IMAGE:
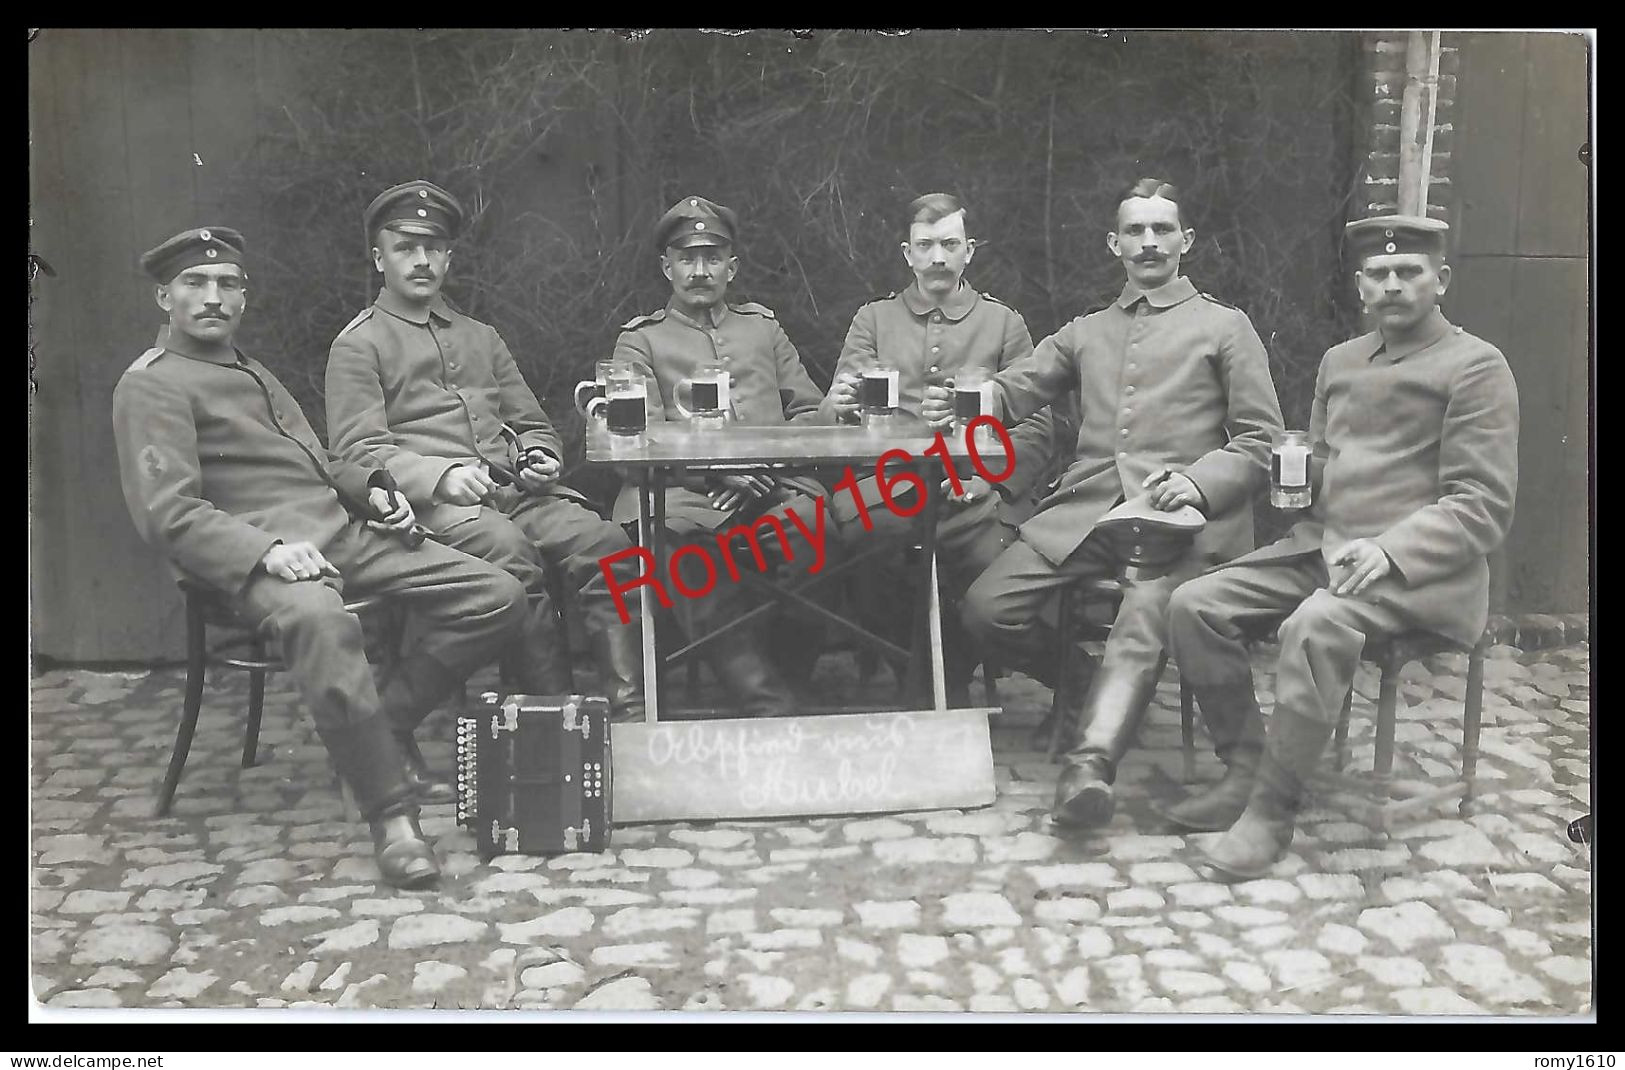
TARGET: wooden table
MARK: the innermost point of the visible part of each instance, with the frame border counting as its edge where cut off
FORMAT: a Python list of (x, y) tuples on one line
[(824, 763), (667, 449)]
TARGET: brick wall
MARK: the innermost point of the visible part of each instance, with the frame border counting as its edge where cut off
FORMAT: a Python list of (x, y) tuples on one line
[(1385, 55)]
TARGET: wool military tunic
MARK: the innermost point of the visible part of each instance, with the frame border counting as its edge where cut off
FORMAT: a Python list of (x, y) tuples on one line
[(1415, 447), (928, 344), (423, 390), (1162, 377), (768, 386), (219, 464)]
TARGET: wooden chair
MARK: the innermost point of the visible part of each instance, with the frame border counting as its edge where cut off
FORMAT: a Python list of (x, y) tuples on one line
[(206, 607), (1391, 656), (1074, 601), (1397, 799)]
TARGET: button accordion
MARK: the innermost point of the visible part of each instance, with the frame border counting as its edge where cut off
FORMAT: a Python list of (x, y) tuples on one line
[(533, 774)]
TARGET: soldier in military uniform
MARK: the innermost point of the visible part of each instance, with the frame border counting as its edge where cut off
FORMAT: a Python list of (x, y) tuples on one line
[(435, 397), (224, 475), (769, 386), (1174, 401), (932, 331), (1413, 473)]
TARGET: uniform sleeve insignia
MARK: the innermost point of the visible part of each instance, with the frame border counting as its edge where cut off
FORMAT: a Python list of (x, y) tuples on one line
[(1216, 301), (751, 308), (643, 321), (146, 359), (152, 463)]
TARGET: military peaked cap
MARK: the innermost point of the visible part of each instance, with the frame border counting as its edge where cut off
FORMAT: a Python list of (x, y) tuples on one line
[(415, 207), (696, 221), (189, 248), (1384, 234)]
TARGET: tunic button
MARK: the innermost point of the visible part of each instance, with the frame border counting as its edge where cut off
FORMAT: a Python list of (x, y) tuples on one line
[(1123, 455), (1124, 432), (1133, 367), (1136, 529), (933, 367), (1130, 390), (936, 349)]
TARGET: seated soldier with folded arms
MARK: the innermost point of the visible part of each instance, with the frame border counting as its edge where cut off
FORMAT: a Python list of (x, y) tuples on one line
[(768, 386), (224, 475), (1414, 468)]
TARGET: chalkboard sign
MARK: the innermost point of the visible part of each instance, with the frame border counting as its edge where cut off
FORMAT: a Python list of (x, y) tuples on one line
[(793, 766)]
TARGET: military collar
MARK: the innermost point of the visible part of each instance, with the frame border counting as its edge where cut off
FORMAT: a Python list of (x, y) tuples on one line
[(182, 344), (719, 313), (1428, 333), (413, 314), (956, 307), (1165, 296)]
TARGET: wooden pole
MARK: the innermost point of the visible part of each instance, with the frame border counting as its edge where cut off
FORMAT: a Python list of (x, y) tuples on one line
[(1418, 105)]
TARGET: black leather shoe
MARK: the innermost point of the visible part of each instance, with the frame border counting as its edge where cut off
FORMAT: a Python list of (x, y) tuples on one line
[(427, 787), (1083, 798), (404, 857)]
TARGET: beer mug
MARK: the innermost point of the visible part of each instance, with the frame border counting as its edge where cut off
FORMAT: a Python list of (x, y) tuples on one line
[(1289, 471), (973, 397), (877, 393), (591, 393), (708, 402), (626, 394)]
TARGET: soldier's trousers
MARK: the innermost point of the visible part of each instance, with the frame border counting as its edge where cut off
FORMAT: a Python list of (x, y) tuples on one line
[(1002, 608), (970, 536), (465, 610), (1321, 633), (729, 599), (524, 535)]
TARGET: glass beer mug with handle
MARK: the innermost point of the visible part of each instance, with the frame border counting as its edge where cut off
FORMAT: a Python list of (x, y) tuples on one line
[(707, 403), (591, 394), (626, 412), (877, 393), (973, 397), (1289, 471)]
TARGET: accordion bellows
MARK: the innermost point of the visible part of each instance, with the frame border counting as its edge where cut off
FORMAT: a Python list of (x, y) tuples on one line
[(533, 774)]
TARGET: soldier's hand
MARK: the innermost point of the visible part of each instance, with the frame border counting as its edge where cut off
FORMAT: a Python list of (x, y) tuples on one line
[(538, 474), (1366, 563), (938, 407), (464, 484), (976, 488), (1168, 490), (392, 511), (843, 394), (734, 490), (294, 561)]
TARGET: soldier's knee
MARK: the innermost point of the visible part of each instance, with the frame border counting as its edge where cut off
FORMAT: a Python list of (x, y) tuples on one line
[(980, 612), (315, 609)]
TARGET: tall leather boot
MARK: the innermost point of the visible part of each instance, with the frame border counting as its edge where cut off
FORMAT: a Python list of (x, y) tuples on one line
[(750, 677), (1261, 835), (533, 664), (367, 757), (1232, 718), (416, 685), (1111, 714), (617, 648)]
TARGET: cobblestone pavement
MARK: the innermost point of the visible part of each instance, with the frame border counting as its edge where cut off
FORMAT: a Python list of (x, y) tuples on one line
[(256, 894)]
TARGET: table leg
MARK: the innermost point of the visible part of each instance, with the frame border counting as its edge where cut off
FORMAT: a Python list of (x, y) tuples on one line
[(929, 629), (939, 687), (646, 601)]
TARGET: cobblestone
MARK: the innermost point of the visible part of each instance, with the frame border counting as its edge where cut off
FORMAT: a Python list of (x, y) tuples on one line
[(255, 892)]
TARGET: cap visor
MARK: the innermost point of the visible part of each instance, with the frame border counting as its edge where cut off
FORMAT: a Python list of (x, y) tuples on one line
[(690, 240), (410, 226)]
